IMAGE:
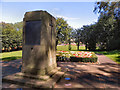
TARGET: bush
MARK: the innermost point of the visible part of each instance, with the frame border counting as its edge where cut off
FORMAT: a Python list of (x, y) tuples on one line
[(79, 59)]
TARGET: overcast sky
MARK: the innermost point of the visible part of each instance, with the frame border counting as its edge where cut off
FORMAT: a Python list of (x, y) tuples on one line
[(76, 14)]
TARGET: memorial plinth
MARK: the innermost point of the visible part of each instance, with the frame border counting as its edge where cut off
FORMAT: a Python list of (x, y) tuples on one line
[(39, 42), (39, 68)]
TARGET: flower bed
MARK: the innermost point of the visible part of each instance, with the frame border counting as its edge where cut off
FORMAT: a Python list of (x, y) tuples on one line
[(76, 56)]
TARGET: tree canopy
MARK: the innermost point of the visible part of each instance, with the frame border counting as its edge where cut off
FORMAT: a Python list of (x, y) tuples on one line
[(11, 36), (63, 31)]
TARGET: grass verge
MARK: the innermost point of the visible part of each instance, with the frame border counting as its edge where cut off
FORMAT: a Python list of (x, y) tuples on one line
[(8, 56), (114, 55)]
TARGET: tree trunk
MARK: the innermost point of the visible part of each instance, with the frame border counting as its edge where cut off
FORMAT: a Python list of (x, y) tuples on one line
[(57, 39), (86, 46), (78, 44), (69, 45), (56, 44)]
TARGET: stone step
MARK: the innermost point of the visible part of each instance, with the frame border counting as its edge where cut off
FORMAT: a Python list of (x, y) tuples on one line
[(54, 71), (44, 77), (34, 83)]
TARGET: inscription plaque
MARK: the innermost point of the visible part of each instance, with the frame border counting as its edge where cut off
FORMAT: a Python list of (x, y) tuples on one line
[(32, 32)]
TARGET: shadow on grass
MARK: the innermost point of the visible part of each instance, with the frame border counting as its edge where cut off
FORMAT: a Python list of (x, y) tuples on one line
[(118, 59), (108, 52), (10, 58)]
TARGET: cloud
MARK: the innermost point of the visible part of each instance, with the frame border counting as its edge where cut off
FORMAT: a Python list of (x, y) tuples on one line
[(67, 18), (56, 9), (72, 21)]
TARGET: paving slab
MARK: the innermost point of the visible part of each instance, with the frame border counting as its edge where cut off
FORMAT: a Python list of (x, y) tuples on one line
[(90, 76), (83, 75)]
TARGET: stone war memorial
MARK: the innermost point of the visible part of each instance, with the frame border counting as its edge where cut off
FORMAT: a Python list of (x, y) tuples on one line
[(39, 67), (39, 41)]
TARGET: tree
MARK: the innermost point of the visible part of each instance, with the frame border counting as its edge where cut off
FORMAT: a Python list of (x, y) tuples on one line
[(109, 24), (69, 36), (92, 37), (19, 28), (0, 37), (78, 35), (7, 35), (88, 36), (85, 35), (62, 31), (11, 36)]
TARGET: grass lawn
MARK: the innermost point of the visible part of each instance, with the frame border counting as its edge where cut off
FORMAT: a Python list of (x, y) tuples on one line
[(73, 48), (114, 55), (8, 56)]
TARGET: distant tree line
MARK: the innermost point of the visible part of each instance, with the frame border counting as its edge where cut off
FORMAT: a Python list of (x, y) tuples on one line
[(105, 33)]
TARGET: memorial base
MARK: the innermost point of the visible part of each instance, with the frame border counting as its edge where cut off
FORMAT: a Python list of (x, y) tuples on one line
[(46, 81)]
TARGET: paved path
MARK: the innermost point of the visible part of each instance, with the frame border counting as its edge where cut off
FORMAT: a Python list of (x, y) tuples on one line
[(90, 75), (11, 67), (105, 60), (102, 75)]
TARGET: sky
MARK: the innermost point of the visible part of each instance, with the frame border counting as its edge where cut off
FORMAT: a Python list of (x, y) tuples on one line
[(76, 14)]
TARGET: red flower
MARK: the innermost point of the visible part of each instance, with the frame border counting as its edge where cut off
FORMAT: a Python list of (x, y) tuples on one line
[(64, 51), (77, 56)]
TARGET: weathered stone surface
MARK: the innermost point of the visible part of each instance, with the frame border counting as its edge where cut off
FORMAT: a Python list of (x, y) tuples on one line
[(39, 42), (27, 81)]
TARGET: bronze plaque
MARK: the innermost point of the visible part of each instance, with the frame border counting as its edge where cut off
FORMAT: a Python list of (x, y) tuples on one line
[(32, 32)]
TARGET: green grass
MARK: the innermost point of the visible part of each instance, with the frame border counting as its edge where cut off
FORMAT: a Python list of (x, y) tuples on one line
[(8, 56), (114, 55), (73, 48)]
